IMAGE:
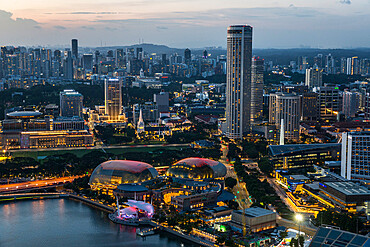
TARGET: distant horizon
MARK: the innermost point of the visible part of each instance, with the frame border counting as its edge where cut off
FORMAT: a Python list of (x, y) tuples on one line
[(194, 48), (280, 24)]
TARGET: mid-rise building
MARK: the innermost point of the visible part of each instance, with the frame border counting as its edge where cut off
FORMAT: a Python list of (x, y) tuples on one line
[(71, 103), (238, 88), (285, 107), (256, 219), (113, 98), (257, 90), (195, 201), (303, 155), (356, 156)]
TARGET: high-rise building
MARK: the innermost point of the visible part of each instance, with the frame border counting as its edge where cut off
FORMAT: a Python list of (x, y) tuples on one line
[(367, 104), (113, 98), (71, 103), (351, 103), (355, 164), (87, 62), (302, 63), (119, 58), (74, 48), (309, 106), (68, 66), (329, 64), (162, 101), (343, 65), (257, 90), (328, 103), (285, 107), (238, 86), (187, 56), (353, 66), (205, 54), (313, 77), (318, 61)]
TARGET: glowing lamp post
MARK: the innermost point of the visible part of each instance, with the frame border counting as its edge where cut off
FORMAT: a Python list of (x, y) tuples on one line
[(299, 219)]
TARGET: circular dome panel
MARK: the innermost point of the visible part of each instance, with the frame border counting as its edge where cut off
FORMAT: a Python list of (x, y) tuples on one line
[(115, 172), (197, 169)]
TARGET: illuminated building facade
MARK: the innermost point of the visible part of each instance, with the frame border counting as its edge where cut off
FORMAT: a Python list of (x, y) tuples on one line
[(285, 107), (256, 219), (110, 174), (309, 106), (194, 201), (351, 103), (313, 77), (197, 169), (303, 155), (71, 103), (238, 87), (356, 156), (328, 103), (113, 98), (22, 131), (347, 195), (257, 90)]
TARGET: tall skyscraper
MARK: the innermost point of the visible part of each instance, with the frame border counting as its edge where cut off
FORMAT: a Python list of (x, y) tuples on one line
[(313, 77), (356, 156), (74, 48), (257, 90), (119, 58), (187, 56), (68, 66), (285, 107), (238, 84), (71, 103), (113, 98)]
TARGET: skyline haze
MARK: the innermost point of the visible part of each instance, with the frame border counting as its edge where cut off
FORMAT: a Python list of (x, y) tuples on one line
[(193, 24)]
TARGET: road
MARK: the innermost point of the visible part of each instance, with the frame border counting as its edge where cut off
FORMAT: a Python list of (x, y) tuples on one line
[(98, 147), (35, 184)]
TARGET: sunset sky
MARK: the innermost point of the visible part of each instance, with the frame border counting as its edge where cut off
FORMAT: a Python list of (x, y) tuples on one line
[(190, 23)]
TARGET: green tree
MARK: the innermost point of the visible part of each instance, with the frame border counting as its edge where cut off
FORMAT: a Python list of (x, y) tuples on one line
[(230, 182)]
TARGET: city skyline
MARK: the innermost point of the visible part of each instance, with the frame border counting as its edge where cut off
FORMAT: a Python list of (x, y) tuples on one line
[(284, 24)]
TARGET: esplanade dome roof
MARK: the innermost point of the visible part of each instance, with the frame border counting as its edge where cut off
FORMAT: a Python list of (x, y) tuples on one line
[(115, 172), (197, 168)]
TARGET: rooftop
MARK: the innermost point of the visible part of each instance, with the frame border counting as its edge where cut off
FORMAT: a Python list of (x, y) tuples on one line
[(277, 150), (347, 188), (335, 237), (255, 212), (298, 177)]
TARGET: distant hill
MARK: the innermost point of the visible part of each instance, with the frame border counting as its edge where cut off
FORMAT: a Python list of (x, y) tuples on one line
[(278, 56)]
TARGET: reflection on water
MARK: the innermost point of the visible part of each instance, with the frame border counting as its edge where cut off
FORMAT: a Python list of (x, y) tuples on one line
[(63, 222)]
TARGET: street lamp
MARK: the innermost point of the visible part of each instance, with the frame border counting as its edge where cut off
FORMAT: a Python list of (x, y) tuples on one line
[(299, 219)]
